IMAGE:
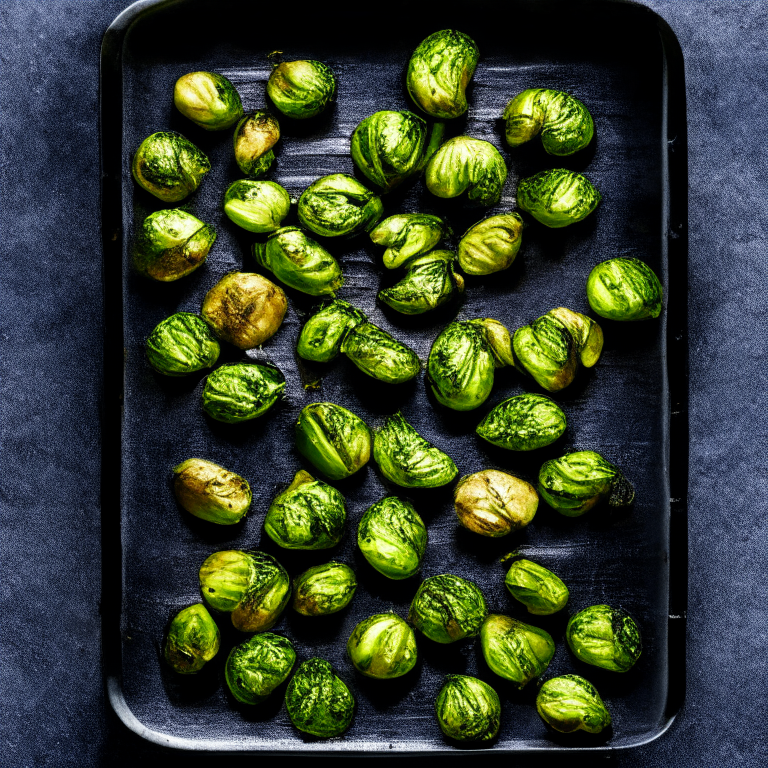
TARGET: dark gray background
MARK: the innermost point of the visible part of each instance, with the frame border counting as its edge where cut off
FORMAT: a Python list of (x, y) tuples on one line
[(51, 695)]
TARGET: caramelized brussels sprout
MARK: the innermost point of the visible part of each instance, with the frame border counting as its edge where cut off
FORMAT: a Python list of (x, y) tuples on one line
[(523, 423), (383, 647), (193, 639), (558, 197), (339, 204), (468, 709), (324, 589), (182, 344), (211, 492), (258, 206), (624, 289), (408, 235), (238, 392), (255, 135), (570, 703), (537, 588), (380, 355), (259, 665), (491, 245), (320, 338), (605, 637), (301, 89), (208, 99)]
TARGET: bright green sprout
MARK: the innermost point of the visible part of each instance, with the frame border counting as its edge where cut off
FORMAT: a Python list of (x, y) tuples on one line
[(605, 637), (382, 647), (259, 665), (324, 589), (537, 588), (257, 206), (491, 245), (182, 344), (468, 709), (193, 639), (379, 355), (208, 99), (558, 197), (624, 289), (238, 392), (523, 423), (338, 205), (301, 89), (408, 236), (320, 338), (570, 703)]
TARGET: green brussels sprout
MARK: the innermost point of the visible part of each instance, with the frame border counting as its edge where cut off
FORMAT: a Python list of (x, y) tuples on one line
[(429, 282), (393, 538), (238, 392), (172, 244), (546, 351), (320, 338), (208, 99), (193, 639), (169, 166), (537, 588), (336, 441), (439, 72), (565, 123), (569, 703), (407, 459), (308, 514), (447, 608), (491, 245), (558, 197), (255, 135), (301, 89), (515, 651), (182, 344), (468, 709), (256, 667), (605, 637), (408, 235), (244, 309), (494, 503), (523, 423), (258, 206), (211, 492), (586, 333), (574, 483), (251, 586), (380, 355), (318, 701), (339, 204), (383, 647), (324, 589), (464, 164), (624, 289)]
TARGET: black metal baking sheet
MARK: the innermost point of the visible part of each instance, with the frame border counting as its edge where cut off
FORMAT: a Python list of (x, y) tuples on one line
[(623, 62)]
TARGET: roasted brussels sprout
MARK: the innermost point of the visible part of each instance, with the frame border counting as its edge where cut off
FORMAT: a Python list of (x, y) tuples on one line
[(464, 164), (171, 244), (491, 245), (408, 235), (169, 166), (606, 637), (380, 355), (320, 338), (318, 701), (558, 197), (255, 135), (211, 492), (468, 709), (193, 639), (624, 289), (537, 588), (439, 72), (565, 123), (252, 586), (301, 89), (181, 344), (258, 206), (393, 538), (382, 646), (447, 608), (208, 99), (256, 667), (324, 589), (308, 514), (569, 703), (241, 391), (407, 459), (523, 423)]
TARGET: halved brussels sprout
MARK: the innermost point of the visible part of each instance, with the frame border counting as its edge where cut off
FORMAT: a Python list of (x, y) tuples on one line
[(255, 135), (468, 709), (491, 245), (546, 351), (408, 235), (624, 289), (208, 99), (605, 637), (558, 197), (259, 665), (523, 423), (383, 647), (570, 703), (320, 338), (324, 589), (301, 89), (182, 344), (257, 206), (380, 355), (193, 639), (537, 588), (211, 492), (339, 204), (238, 392)]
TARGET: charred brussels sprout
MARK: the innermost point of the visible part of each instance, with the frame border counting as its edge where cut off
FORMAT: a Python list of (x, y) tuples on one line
[(255, 135), (380, 355), (523, 423), (408, 235), (241, 391), (393, 538), (439, 72), (182, 344), (193, 639), (558, 197), (301, 89), (407, 459), (624, 289), (383, 647), (318, 701), (256, 667), (211, 492), (468, 709), (324, 589), (258, 206), (605, 637), (320, 338), (208, 99), (491, 245), (570, 703), (537, 588)]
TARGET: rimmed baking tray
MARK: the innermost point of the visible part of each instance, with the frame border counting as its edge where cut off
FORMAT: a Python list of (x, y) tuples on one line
[(624, 63)]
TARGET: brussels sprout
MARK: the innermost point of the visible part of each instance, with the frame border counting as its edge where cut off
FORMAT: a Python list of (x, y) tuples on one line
[(238, 392), (320, 338), (258, 206), (172, 244), (193, 639), (301, 89), (393, 538), (407, 459), (546, 351), (624, 289), (208, 99), (491, 245), (523, 423), (408, 235), (574, 483), (169, 166), (605, 637), (468, 709), (211, 492), (308, 514), (565, 124), (324, 589), (558, 197), (569, 703), (382, 646), (339, 205), (464, 164), (439, 72), (380, 355), (586, 333), (181, 344), (448, 608), (244, 309), (318, 701), (299, 262), (252, 586), (256, 667), (537, 588), (255, 135)]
